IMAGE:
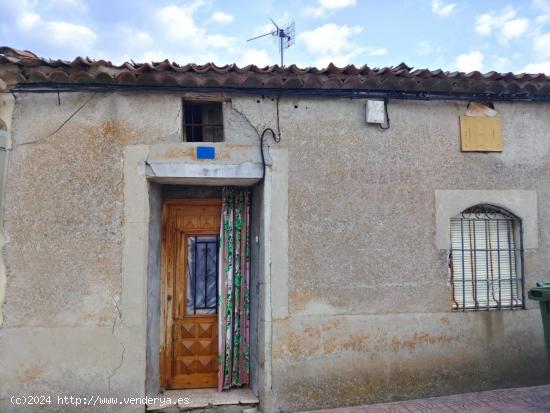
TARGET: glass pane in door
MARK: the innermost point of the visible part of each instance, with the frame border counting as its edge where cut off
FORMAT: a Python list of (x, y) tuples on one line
[(202, 274)]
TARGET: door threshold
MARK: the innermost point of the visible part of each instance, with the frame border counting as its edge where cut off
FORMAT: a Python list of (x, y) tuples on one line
[(204, 398)]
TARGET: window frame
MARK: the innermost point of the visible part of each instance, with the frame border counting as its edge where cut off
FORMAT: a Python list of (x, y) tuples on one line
[(191, 307), (202, 104), (482, 212)]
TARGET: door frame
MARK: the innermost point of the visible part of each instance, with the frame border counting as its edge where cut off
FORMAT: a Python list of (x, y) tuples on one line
[(167, 273)]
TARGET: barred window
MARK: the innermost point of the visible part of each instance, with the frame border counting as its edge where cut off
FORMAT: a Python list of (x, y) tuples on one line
[(203, 121), (202, 270), (486, 259)]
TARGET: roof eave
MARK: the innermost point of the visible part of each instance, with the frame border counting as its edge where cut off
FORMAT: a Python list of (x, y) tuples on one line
[(400, 94)]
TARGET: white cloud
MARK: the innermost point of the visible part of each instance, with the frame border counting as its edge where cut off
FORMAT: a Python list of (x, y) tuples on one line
[(504, 23), (28, 21), (174, 31), (141, 38), (177, 25), (221, 17), (514, 28), (326, 7), (177, 22), (468, 62), (542, 5), (282, 19), (488, 22), (343, 59), (501, 64), (541, 67), (258, 57), (329, 38), (70, 35), (57, 33), (336, 4), (423, 48), (263, 29), (377, 52), (441, 9), (541, 46), (12, 8), (332, 43), (66, 5), (130, 43)]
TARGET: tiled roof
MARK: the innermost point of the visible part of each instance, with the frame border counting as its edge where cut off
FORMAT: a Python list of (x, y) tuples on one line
[(23, 69)]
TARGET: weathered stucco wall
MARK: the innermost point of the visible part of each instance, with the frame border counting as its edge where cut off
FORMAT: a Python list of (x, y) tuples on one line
[(369, 298), (358, 296), (7, 105), (74, 317), (64, 223)]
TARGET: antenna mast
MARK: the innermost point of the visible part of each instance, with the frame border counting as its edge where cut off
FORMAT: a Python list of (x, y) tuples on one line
[(285, 36)]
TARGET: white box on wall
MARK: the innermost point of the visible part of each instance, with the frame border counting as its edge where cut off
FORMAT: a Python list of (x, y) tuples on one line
[(376, 112)]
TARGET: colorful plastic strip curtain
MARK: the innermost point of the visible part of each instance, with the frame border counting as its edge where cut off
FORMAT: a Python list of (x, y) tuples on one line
[(234, 282)]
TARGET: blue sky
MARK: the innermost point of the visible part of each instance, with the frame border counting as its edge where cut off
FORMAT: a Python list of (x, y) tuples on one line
[(453, 35)]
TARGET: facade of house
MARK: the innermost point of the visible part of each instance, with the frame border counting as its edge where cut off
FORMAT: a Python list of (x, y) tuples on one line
[(387, 260)]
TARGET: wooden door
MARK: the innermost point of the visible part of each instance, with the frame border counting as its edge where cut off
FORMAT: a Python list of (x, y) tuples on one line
[(190, 289)]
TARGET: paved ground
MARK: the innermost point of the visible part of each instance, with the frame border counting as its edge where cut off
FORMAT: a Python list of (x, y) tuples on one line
[(528, 399)]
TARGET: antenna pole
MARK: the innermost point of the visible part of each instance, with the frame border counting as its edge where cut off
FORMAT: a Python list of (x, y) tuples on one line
[(285, 35), (281, 48)]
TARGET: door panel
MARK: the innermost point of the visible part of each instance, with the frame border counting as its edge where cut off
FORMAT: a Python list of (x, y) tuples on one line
[(190, 257), (195, 352)]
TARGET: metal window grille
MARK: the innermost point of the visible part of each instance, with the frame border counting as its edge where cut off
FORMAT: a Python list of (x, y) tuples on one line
[(486, 259), (203, 122), (202, 274)]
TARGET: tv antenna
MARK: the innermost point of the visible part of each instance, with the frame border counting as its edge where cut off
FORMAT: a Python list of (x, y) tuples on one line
[(285, 36)]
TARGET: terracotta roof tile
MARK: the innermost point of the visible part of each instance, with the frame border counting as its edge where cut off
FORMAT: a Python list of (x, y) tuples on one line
[(24, 69)]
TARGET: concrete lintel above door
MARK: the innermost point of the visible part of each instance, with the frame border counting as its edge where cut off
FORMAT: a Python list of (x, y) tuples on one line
[(244, 173)]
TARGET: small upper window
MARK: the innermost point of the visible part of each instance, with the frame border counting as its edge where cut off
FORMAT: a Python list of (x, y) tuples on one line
[(203, 121), (486, 259)]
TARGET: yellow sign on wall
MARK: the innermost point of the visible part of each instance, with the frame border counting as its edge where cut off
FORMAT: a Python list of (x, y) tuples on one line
[(480, 133)]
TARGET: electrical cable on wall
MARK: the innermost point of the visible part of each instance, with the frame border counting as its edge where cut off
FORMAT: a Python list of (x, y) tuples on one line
[(276, 139), (276, 136), (278, 124), (387, 115)]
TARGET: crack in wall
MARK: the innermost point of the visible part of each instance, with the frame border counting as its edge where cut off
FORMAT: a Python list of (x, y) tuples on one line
[(268, 161), (173, 137), (118, 318)]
